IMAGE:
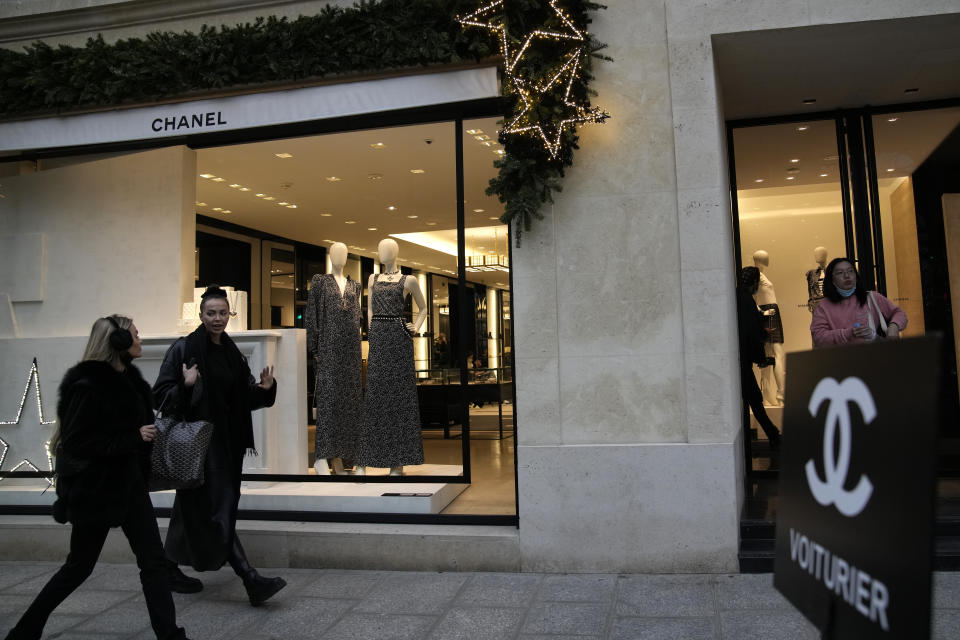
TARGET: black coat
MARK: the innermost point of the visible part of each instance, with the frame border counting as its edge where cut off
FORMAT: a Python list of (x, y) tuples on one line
[(750, 329), (203, 520), (101, 457)]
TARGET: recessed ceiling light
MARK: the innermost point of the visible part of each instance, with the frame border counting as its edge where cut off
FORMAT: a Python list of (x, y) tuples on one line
[(291, 206), (803, 127), (791, 177), (413, 217), (218, 208), (234, 185), (417, 171), (431, 224), (371, 228), (890, 170), (201, 204), (378, 145), (259, 195), (207, 175), (824, 175), (482, 137), (349, 222), (478, 210), (892, 119), (494, 218), (375, 176), (270, 198), (487, 143), (226, 211), (759, 180), (391, 208), (283, 204), (284, 155), (794, 160), (244, 188), (219, 179), (325, 215), (474, 132), (499, 152), (333, 179)]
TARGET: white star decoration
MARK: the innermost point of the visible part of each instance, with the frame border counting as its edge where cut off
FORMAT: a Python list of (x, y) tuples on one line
[(33, 378), (530, 91)]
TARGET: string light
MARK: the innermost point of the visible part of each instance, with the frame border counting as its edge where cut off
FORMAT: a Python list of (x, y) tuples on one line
[(531, 92), (33, 378)]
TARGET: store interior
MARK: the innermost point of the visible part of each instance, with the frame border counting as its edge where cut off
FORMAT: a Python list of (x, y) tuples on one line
[(789, 201), (268, 211)]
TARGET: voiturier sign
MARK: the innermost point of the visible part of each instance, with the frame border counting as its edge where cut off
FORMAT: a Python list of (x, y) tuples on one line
[(854, 544)]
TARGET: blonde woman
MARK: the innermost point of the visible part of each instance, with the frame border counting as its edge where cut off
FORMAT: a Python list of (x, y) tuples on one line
[(104, 427)]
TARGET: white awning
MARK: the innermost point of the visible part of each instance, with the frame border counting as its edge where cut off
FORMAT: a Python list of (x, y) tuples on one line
[(249, 111)]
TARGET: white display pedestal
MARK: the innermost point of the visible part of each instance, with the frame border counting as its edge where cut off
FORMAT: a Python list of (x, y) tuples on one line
[(353, 497)]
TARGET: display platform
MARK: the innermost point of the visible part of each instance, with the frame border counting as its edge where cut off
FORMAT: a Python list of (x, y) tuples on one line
[(353, 497)]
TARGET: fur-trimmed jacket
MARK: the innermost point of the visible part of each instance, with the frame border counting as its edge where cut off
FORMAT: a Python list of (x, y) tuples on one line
[(101, 457)]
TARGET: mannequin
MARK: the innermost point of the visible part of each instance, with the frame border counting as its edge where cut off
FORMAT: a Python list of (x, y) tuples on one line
[(390, 432), (815, 279), (766, 299), (332, 320)]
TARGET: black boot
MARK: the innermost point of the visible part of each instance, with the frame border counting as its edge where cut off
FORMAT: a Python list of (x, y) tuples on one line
[(259, 589), (181, 582)]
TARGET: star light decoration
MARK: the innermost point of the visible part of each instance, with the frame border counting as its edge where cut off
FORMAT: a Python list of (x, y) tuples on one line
[(33, 378), (530, 91)]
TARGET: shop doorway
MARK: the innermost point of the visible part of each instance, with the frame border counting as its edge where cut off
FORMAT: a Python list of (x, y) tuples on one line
[(869, 184)]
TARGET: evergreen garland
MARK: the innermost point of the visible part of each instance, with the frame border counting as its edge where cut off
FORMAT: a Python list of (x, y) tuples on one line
[(372, 36)]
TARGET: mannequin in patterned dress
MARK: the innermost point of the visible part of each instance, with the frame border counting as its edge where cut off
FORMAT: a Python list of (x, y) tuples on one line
[(381, 373), (332, 320), (773, 379)]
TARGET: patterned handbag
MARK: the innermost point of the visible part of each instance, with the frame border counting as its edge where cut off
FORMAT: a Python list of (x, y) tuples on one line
[(179, 451)]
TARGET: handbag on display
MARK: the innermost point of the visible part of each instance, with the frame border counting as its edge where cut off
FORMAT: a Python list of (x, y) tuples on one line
[(179, 451), (882, 329)]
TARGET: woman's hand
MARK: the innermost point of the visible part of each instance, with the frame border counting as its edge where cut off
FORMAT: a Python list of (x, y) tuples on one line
[(893, 330), (190, 375), (148, 432), (266, 378), (864, 332)]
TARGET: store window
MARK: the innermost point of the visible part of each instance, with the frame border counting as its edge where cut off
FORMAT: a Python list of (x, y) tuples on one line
[(267, 213)]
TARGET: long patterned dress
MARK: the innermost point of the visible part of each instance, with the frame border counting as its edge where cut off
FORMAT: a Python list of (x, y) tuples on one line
[(390, 432), (333, 338)]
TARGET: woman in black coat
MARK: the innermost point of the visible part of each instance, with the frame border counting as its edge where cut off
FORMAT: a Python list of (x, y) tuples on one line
[(205, 377), (105, 425), (752, 340)]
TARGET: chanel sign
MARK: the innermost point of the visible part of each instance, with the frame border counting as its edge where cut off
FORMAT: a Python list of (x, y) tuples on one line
[(857, 484)]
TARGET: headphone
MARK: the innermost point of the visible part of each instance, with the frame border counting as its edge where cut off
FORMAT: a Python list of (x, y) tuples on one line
[(120, 339)]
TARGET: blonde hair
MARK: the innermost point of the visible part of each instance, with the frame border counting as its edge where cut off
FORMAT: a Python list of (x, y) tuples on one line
[(98, 348)]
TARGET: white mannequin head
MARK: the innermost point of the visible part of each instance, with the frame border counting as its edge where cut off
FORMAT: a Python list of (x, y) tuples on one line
[(338, 255), (820, 255), (388, 250), (761, 259)]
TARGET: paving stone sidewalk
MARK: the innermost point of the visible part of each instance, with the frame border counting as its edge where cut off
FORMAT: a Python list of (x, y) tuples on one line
[(386, 605)]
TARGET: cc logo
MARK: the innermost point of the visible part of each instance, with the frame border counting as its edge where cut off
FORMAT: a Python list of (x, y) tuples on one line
[(837, 464)]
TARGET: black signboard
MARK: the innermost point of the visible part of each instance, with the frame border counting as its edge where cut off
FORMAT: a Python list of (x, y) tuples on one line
[(854, 546)]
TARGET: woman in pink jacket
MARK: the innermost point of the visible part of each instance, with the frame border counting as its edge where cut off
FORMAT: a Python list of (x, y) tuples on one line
[(849, 314)]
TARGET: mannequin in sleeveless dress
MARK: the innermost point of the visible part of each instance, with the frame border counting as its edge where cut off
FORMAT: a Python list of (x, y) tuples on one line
[(773, 379), (338, 258), (387, 251), (815, 278)]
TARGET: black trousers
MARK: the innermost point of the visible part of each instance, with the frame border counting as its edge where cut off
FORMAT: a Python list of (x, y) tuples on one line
[(86, 543), (750, 391)]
